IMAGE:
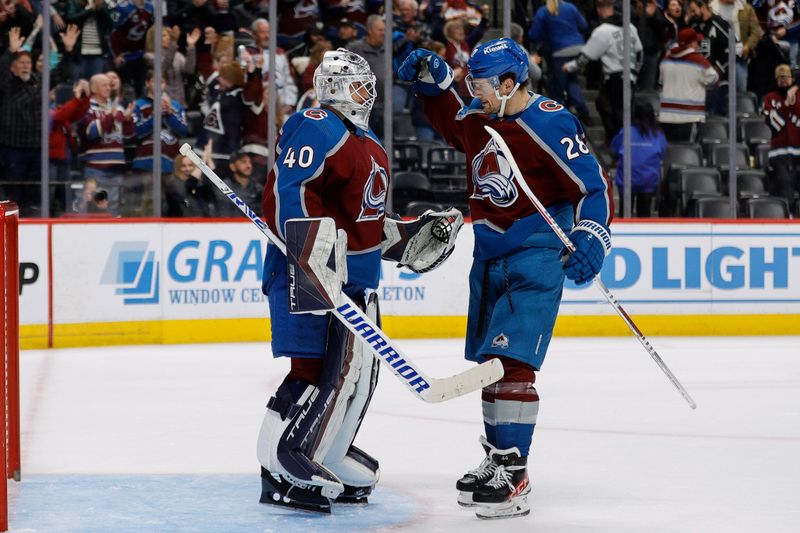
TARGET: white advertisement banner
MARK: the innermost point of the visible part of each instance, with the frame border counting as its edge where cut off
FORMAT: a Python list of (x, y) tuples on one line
[(698, 269), (106, 272), (212, 271), (109, 272), (33, 273)]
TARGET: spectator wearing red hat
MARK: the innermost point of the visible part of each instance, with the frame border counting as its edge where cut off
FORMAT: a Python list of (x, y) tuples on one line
[(685, 75)]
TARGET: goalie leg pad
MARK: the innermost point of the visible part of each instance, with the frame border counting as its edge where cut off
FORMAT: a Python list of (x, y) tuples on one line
[(303, 419), (357, 470), (288, 436), (357, 463)]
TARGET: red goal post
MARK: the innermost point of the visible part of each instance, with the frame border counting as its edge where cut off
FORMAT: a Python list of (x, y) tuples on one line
[(9, 363)]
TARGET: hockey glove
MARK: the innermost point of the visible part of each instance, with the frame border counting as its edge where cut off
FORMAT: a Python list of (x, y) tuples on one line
[(423, 244), (429, 72), (592, 244)]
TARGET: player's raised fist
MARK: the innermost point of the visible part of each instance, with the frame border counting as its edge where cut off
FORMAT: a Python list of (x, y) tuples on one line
[(410, 69), (431, 73)]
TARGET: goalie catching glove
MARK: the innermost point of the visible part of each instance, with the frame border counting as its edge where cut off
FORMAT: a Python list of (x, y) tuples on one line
[(423, 244)]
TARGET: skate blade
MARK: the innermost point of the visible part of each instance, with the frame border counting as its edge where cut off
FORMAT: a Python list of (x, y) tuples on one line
[(514, 508), (465, 499), (351, 500), (285, 502)]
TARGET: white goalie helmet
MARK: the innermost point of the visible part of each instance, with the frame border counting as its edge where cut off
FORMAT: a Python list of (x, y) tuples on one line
[(345, 82)]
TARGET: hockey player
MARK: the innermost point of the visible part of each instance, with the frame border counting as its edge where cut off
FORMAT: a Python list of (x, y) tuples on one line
[(330, 166), (519, 265)]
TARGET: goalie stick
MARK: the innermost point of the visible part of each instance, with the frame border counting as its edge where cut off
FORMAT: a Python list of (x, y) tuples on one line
[(418, 382), (501, 143)]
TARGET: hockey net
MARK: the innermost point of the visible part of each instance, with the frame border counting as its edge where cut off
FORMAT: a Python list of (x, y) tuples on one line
[(9, 332)]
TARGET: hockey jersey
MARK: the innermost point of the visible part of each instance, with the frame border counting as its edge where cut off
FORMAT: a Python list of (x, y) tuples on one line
[(606, 44), (102, 132), (225, 112), (131, 23), (297, 17), (548, 144), (685, 75), (784, 121), (174, 127), (325, 167)]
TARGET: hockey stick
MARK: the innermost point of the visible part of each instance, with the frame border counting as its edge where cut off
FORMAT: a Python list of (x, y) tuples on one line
[(571, 247), (418, 382)]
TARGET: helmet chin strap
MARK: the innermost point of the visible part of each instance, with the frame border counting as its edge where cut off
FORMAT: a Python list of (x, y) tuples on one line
[(504, 99)]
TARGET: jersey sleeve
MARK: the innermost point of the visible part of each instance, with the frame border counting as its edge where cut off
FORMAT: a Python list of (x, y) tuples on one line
[(565, 153), (442, 112), (301, 156), (596, 46)]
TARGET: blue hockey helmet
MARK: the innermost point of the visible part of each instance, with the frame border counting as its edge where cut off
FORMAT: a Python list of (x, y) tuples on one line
[(498, 57), (489, 62)]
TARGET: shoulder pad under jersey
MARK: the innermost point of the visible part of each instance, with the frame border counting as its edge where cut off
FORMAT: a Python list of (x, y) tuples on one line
[(317, 127)]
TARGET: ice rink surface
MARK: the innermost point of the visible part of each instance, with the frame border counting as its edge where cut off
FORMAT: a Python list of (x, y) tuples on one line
[(162, 438)]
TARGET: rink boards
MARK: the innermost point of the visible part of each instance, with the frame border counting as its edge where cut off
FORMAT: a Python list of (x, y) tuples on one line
[(152, 281)]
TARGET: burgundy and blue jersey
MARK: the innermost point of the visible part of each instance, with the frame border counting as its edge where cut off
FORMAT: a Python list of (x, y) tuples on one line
[(102, 132), (325, 167), (548, 144), (297, 17), (131, 23)]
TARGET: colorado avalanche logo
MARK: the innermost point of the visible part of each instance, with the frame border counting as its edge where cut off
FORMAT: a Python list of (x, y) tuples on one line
[(374, 199), (315, 114), (550, 106), (212, 122), (306, 8), (492, 177)]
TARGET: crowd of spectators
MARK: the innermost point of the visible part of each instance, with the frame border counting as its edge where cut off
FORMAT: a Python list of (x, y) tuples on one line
[(215, 72)]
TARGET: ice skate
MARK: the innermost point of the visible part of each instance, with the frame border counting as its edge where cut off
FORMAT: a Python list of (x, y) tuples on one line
[(505, 495), (275, 490), (477, 476)]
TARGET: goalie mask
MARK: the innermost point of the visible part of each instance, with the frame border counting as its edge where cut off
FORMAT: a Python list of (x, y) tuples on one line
[(345, 82)]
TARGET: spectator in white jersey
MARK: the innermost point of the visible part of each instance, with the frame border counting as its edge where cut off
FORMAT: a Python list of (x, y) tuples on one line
[(605, 44), (685, 75)]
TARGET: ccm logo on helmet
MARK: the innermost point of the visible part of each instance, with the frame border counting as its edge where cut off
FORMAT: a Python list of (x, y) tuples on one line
[(550, 106), (495, 48), (315, 114)]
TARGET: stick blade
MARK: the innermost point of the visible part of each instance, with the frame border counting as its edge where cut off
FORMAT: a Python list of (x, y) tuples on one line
[(468, 381), (185, 149)]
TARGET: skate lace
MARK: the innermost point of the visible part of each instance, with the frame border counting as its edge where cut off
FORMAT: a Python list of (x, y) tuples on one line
[(485, 469), (501, 477)]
